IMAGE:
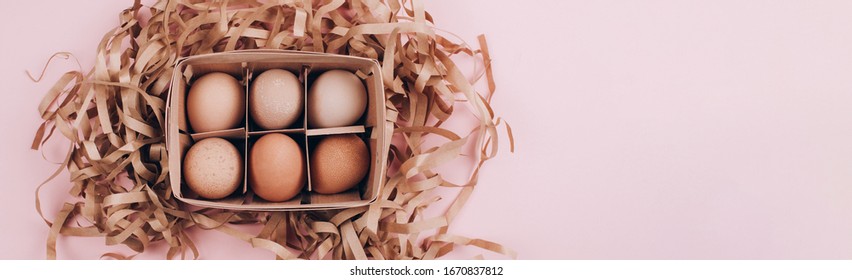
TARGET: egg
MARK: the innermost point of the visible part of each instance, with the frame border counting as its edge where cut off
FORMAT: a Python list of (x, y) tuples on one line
[(276, 169), (216, 101), (213, 168), (336, 98), (276, 100), (338, 163)]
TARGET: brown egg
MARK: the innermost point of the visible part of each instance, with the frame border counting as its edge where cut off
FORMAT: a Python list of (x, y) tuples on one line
[(275, 99), (338, 163), (216, 101), (276, 167), (213, 168), (336, 98)]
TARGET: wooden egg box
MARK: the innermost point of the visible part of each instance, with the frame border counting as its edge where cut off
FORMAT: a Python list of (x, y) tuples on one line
[(373, 128)]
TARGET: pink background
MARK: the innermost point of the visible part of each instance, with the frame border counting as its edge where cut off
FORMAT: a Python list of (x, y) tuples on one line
[(645, 129)]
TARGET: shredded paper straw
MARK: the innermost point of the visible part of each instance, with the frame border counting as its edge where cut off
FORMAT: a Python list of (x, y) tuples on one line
[(113, 116)]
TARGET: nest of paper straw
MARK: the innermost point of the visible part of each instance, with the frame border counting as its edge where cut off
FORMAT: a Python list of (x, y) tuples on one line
[(113, 116)]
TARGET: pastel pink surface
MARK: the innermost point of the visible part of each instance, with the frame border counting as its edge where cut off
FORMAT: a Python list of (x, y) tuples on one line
[(652, 130)]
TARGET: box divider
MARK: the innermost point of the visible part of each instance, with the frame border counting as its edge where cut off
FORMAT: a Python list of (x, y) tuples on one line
[(308, 162), (306, 70), (247, 79)]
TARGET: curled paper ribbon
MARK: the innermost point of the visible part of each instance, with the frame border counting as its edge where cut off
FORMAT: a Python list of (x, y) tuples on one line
[(113, 116)]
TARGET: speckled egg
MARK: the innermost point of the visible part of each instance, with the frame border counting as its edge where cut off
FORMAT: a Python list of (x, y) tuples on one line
[(213, 168), (276, 99), (338, 163)]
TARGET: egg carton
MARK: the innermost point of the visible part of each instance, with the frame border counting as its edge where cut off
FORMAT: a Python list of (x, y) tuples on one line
[(375, 127)]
